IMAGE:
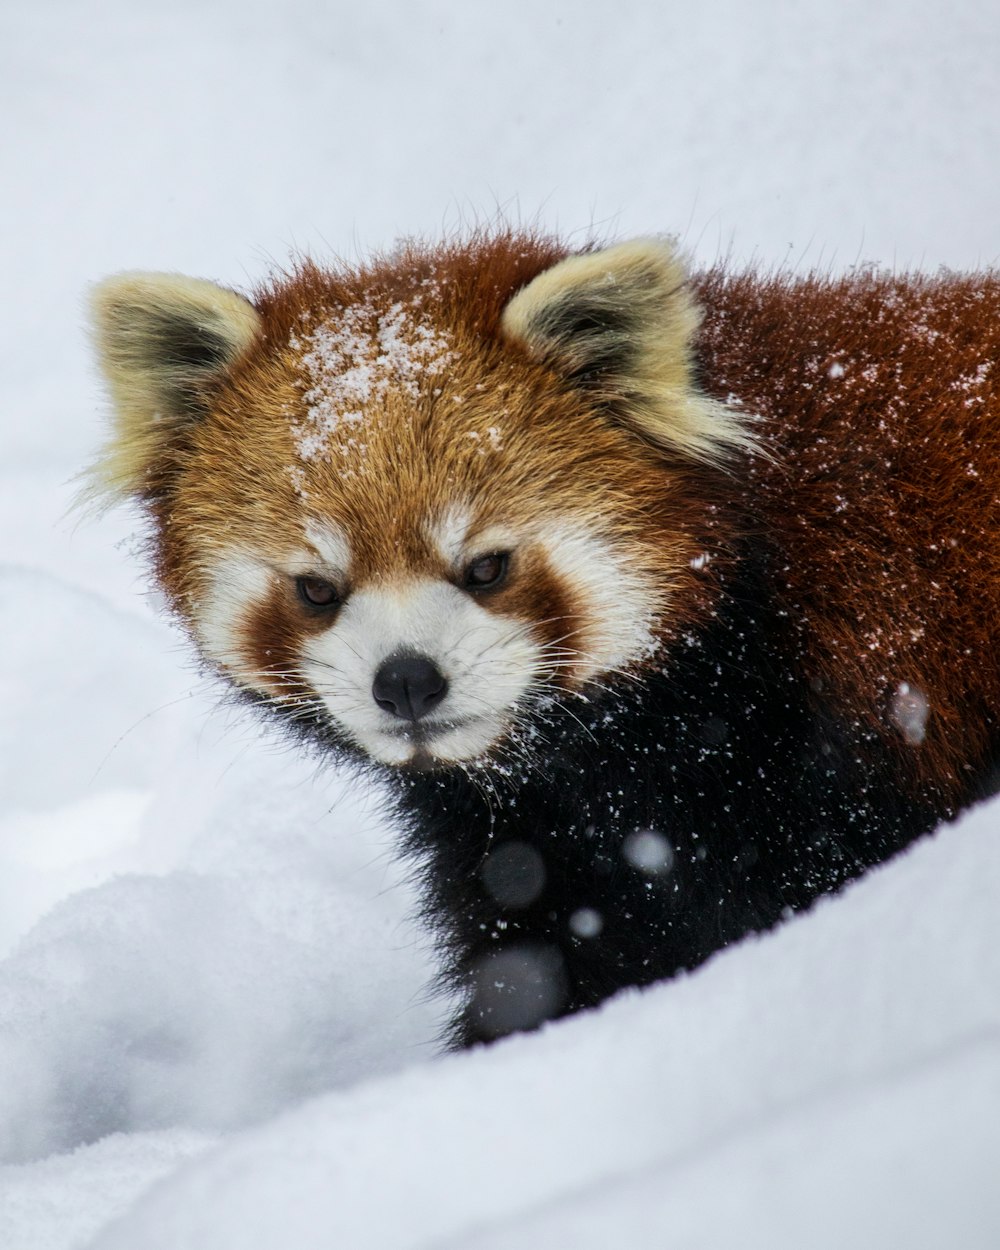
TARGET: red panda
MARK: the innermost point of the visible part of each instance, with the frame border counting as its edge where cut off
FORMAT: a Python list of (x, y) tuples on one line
[(662, 603)]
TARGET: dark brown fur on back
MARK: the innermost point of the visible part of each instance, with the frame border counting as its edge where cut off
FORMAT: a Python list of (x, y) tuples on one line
[(880, 397)]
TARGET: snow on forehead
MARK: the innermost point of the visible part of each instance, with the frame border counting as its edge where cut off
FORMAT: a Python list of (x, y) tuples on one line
[(355, 356)]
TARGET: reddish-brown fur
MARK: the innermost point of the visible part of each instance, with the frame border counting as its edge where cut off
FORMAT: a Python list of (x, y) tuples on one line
[(883, 492)]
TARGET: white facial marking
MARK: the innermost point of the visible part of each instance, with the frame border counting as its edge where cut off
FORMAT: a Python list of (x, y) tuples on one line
[(237, 582), (620, 608), (331, 545), (452, 535), (449, 532), (488, 661)]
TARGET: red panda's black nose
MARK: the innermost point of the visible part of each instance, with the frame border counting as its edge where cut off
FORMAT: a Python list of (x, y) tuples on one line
[(409, 686)]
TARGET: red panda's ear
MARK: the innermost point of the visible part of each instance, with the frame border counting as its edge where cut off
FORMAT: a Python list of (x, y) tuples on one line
[(620, 323), (161, 340)]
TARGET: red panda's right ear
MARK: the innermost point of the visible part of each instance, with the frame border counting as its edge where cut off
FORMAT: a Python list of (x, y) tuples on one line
[(162, 340)]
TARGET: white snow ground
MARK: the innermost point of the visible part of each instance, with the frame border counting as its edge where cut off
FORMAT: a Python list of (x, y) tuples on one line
[(211, 981)]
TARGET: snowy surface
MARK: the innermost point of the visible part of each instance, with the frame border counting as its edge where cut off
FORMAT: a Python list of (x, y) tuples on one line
[(212, 980)]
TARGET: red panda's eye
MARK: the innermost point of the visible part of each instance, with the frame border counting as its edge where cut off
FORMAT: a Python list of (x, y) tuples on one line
[(487, 571), (317, 593)]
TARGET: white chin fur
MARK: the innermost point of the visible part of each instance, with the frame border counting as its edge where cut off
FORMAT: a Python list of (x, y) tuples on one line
[(445, 745), (488, 660)]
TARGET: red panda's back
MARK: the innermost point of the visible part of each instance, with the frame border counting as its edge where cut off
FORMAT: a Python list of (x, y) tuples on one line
[(880, 397)]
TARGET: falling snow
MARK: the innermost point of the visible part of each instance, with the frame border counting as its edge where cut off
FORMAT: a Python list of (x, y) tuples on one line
[(514, 874), (649, 851), (586, 922), (909, 710)]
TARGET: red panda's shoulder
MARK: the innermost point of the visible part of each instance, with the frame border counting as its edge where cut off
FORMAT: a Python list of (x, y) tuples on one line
[(879, 397)]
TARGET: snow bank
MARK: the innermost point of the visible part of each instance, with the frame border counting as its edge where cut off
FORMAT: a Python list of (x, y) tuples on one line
[(95, 712), (277, 961), (215, 995), (62, 1202), (835, 1083)]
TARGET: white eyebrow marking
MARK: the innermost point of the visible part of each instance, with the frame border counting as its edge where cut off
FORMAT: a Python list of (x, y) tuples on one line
[(449, 532), (331, 544), (455, 540)]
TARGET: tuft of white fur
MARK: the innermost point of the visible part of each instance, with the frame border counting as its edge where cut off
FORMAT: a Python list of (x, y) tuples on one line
[(332, 545), (449, 531), (636, 325), (620, 610), (237, 582)]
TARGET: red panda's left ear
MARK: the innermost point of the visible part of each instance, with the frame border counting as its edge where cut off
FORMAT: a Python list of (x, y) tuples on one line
[(162, 341), (619, 323)]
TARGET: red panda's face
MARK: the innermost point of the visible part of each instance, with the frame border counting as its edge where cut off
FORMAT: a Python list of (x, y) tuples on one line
[(443, 543), (431, 656), (389, 521)]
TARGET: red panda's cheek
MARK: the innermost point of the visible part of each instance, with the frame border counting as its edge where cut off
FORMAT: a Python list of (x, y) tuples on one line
[(246, 625), (233, 586), (608, 605)]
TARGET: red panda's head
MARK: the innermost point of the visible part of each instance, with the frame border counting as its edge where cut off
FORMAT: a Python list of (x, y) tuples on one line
[(411, 503)]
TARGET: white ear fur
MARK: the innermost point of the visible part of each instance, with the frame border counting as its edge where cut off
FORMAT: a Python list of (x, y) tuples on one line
[(160, 339), (620, 323)]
